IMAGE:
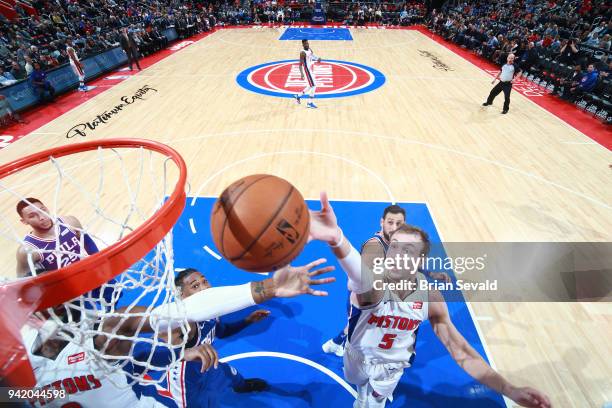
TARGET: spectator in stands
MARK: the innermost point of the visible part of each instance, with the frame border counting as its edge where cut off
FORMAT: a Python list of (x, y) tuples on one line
[(608, 29), (42, 87), (590, 79), (404, 16), (605, 43), (587, 83), (128, 43), (568, 52), (4, 50), (592, 40), (529, 57), (6, 78), (29, 65), (600, 29), (22, 52), (555, 45), (605, 72), (569, 82), (146, 45), (18, 71)]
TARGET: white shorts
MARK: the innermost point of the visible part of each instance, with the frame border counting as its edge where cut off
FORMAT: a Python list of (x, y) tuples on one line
[(383, 378)]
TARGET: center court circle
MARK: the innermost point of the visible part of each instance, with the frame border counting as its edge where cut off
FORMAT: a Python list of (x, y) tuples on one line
[(334, 79)]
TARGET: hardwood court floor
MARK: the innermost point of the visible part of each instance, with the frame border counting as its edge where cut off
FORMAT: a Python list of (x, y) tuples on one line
[(422, 137)]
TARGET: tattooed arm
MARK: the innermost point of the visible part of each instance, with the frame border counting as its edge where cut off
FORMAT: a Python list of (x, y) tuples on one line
[(215, 302)]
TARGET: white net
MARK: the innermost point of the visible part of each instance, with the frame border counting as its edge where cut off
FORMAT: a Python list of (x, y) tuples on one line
[(87, 200)]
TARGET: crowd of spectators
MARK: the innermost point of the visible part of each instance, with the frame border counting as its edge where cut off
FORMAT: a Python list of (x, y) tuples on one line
[(33, 44), (94, 26), (562, 45), (383, 13)]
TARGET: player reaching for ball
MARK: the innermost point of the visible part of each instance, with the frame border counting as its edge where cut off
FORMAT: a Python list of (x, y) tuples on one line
[(384, 324), (49, 355), (184, 381), (376, 247), (307, 61)]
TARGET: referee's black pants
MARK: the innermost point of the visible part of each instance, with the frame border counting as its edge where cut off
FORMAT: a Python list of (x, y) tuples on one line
[(501, 86)]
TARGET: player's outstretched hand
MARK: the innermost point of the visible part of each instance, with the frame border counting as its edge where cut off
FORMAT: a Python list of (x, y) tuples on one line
[(294, 281), (257, 315), (529, 397), (323, 223), (205, 353)]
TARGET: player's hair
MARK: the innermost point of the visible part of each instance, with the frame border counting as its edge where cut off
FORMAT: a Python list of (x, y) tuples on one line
[(182, 275), (411, 229), (394, 209), (304, 40), (26, 202)]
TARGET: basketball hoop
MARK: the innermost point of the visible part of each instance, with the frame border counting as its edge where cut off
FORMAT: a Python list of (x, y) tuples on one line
[(20, 298)]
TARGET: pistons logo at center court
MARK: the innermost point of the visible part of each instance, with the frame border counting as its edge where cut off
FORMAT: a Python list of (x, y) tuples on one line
[(334, 79)]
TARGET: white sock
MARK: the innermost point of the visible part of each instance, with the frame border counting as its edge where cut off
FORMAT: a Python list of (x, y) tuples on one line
[(362, 396), (312, 93)]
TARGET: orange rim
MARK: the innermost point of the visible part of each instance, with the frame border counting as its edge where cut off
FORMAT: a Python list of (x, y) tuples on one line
[(22, 297)]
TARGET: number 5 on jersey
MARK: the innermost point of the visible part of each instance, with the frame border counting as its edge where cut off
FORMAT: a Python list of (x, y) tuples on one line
[(387, 341)]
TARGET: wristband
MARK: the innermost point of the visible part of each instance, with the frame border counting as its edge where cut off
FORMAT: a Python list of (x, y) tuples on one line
[(340, 242)]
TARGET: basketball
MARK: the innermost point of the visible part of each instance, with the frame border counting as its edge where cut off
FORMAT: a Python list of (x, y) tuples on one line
[(260, 223)]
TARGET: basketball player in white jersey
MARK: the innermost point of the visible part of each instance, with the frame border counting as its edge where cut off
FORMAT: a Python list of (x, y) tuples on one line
[(76, 65), (307, 61), (64, 365), (393, 216), (383, 329)]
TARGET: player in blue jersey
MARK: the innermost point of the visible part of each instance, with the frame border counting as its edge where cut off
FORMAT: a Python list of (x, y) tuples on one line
[(51, 245), (189, 282), (184, 382)]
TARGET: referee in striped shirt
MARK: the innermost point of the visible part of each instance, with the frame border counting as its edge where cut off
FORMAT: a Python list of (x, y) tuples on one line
[(505, 76)]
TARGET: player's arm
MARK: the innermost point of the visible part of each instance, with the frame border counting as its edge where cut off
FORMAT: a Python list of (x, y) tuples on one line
[(162, 354), (204, 353), (302, 63), (88, 243), (358, 267), (211, 303), (225, 329), (371, 254), (23, 268), (471, 362)]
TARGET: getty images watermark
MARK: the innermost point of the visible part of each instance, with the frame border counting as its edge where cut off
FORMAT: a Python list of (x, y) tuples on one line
[(497, 271), (399, 273)]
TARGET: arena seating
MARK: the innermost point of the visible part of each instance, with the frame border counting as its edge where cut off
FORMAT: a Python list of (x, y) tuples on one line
[(562, 33)]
